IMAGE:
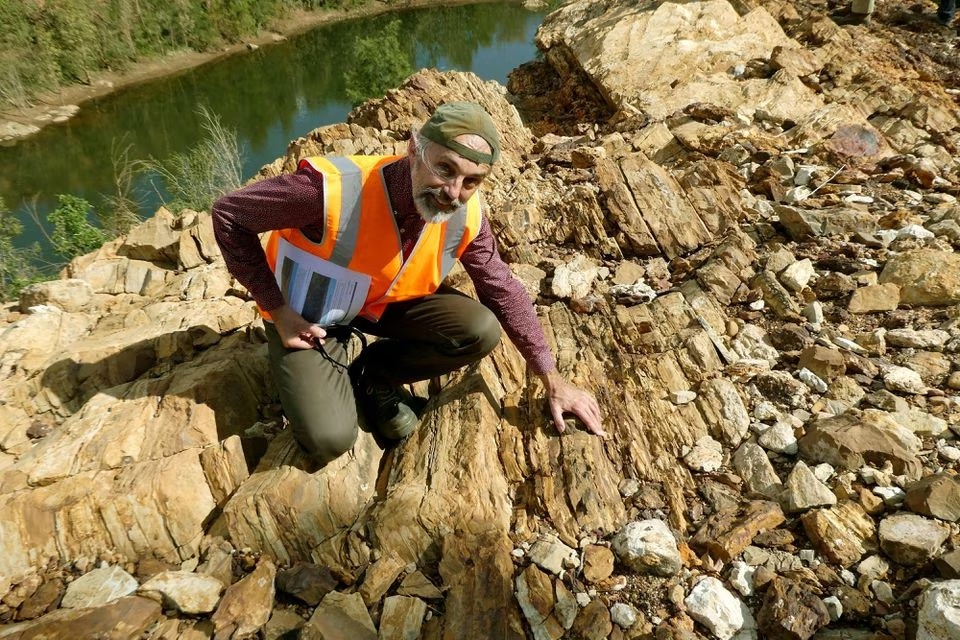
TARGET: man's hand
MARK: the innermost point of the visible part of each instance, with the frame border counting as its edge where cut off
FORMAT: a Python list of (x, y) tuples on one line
[(294, 331), (564, 396)]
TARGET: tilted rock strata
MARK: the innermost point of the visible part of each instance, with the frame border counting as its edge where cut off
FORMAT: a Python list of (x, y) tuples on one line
[(708, 258)]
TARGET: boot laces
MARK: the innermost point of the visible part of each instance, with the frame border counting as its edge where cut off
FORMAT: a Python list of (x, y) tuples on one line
[(386, 397)]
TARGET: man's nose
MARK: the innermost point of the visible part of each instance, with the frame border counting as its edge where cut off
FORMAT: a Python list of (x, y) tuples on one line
[(453, 187)]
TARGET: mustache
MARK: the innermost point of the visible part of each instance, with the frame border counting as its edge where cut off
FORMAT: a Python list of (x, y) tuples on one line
[(437, 193)]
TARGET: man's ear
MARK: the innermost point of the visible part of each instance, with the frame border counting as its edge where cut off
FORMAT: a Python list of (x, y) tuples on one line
[(411, 148)]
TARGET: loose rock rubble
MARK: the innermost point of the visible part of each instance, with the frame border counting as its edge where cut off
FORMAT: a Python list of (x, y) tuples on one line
[(739, 223)]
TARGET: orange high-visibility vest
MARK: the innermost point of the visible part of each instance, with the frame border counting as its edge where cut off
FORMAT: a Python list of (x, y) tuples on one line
[(360, 234)]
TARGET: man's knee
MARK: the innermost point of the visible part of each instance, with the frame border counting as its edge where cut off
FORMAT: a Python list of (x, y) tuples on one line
[(325, 442), (484, 328)]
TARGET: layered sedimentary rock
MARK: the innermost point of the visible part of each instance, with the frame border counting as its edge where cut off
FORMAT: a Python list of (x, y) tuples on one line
[(711, 243)]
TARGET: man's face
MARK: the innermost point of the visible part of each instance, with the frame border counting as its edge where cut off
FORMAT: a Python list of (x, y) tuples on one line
[(443, 180)]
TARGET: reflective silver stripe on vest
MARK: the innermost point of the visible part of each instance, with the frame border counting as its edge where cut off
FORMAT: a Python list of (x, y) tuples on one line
[(351, 188), (453, 235)]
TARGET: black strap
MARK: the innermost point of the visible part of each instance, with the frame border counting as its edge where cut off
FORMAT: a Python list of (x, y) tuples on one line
[(340, 332)]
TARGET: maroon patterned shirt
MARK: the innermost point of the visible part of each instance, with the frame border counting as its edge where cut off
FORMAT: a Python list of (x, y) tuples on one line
[(295, 201)]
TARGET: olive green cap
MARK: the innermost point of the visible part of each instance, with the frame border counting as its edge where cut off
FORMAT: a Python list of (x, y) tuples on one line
[(459, 118)]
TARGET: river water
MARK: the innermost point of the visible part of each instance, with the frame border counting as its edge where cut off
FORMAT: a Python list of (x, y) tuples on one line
[(269, 97)]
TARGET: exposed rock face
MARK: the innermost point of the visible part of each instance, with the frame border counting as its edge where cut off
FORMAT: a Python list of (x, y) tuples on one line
[(719, 247), (632, 52)]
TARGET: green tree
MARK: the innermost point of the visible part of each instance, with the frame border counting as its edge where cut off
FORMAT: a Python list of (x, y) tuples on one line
[(73, 235), (17, 268), (378, 63)]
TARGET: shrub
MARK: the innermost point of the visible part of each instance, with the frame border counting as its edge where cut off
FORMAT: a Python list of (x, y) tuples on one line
[(75, 39), (207, 171), (17, 268), (73, 235), (120, 210)]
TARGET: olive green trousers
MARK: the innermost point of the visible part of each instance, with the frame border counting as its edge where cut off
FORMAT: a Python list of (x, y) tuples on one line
[(418, 339)]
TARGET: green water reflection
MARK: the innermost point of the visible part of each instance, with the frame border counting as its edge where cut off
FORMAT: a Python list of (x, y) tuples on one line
[(269, 97)]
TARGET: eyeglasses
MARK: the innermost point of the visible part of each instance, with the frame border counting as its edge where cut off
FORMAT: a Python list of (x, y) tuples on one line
[(448, 173)]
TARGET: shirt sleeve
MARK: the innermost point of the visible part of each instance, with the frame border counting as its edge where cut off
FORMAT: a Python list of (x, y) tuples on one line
[(502, 293), (288, 201)]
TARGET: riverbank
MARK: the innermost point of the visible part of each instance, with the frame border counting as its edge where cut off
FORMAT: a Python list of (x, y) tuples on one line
[(60, 105)]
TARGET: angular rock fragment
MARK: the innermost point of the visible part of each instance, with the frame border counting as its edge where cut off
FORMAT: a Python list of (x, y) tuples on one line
[(782, 388), (855, 438), (706, 455), (937, 495), (417, 584), (717, 609), (282, 622), (842, 534), (597, 563), (593, 622), (779, 437), (402, 617), (99, 587), (948, 564), (791, 611), (535, 593), (903, 379), (723, 408), (925, 277), (647, 546), (805, 223), (921, 422), (914, 339), (379, 577), (939, 614), (247, 604), (127, 617), (189, 593), (796, 276), (875, 298), (340, 616), (911, 539), (758, 474), (776, 296), (803, 491), (551, 554), (826, 363), (724, 535)]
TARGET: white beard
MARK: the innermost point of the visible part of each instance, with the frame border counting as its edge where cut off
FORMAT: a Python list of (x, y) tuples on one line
[(425, 204)]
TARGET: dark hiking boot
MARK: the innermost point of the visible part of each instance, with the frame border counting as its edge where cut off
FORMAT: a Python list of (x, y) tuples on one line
[(386, 408)]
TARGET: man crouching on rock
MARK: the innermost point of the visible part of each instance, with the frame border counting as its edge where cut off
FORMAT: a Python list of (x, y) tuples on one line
[(362, 244)]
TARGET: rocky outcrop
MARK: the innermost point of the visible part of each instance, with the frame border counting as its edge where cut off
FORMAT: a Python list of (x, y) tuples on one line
[(715, 256)]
